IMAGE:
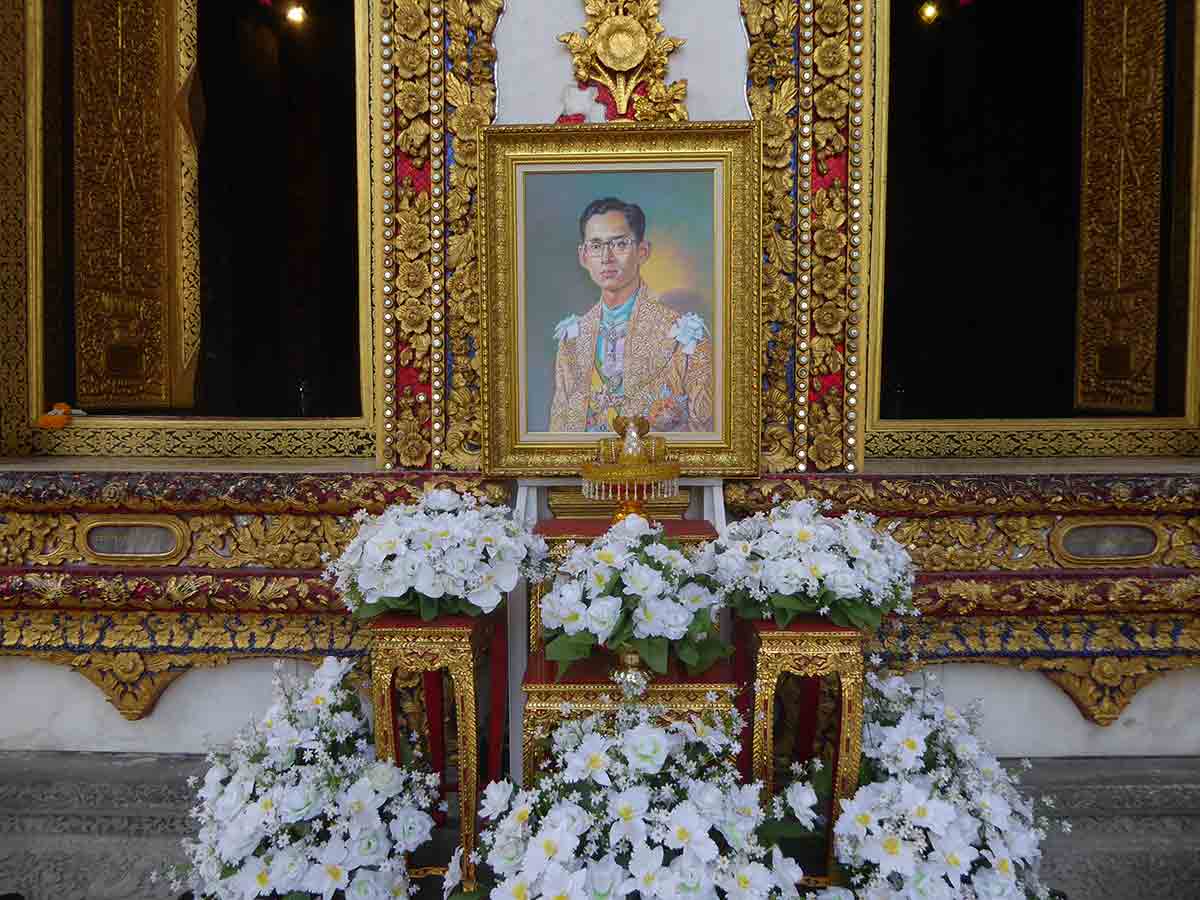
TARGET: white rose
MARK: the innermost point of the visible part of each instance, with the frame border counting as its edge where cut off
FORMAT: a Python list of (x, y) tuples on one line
[(369, 847), (603, 616), (708, 798), (645, 748), (369, 885), (385, 778), (234, 797), (495, 799), (508, 850), (411, 828), (240, 837), (301, 801), (443, 499)]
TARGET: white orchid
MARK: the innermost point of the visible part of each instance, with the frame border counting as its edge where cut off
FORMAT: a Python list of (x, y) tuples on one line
[(318, 816), (649, 827), (941, 820)]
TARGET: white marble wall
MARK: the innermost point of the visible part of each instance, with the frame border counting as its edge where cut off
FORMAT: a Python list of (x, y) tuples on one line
[(534, 67), (48, 707)]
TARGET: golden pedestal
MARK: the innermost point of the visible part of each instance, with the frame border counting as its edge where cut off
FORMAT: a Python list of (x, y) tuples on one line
[(403, 644), (809, 647)]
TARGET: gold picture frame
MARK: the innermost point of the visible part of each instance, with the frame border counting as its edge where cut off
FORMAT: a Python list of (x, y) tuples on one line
[(700, 183)]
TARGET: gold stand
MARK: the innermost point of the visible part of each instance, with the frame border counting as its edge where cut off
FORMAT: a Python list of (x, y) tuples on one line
[(807, 648), (405, 645)]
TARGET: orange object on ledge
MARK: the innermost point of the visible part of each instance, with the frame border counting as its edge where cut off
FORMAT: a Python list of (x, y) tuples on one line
[(59, 416)]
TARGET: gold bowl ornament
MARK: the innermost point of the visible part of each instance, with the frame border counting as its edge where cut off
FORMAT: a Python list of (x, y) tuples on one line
[(631, 469), (621, 43)]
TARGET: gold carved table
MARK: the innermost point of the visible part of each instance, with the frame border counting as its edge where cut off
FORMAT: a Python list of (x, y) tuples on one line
[(401, 645), (587, 689)]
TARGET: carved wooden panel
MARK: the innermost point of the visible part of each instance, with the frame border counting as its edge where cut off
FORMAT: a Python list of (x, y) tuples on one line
[(1120, 237), (132, 349)]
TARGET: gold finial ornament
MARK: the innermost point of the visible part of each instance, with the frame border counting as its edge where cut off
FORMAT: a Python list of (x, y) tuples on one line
[(622, 46), (631, 469)]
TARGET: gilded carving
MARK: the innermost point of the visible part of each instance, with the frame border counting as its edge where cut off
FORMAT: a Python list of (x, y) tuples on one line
[(1120, 207), (408, 650), (15, 220), (774, 96), (972, 495), (133, 656), (471, 93), (1099, 439), (623, 47), (1100, 661)]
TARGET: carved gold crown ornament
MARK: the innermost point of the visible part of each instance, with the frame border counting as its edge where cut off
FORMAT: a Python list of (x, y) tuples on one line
[(622, 46), (631, 469)]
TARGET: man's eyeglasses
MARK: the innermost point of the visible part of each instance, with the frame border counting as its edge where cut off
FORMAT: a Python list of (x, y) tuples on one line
[(618, 245)]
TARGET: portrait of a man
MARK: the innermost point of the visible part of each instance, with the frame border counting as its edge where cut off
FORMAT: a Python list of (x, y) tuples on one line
[(620, 279), (630, 354)]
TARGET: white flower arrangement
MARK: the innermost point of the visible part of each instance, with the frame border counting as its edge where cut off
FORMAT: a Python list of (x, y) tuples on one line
[(448, 554), (630, 589), (630, 804), (299, 807), (938, 818), (797, 560)]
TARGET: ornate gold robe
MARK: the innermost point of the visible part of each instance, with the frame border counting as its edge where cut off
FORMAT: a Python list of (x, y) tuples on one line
[(671, 388)]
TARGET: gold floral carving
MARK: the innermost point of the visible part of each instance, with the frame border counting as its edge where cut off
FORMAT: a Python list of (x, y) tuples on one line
[(471, 93), (1035, 597), (217, 541), (134, 656), (547, 705), (134, 681), (623, 46), (773, 94), (15, 218), (1100, 661), (1103, 687), (409, 650), (1120, 206), (973, 495), (1099, 440)]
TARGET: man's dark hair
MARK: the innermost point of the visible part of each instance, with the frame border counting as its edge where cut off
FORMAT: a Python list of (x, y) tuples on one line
[(634, 217)]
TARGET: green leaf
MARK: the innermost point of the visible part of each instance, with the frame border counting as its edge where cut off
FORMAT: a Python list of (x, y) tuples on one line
[(688, 653), (568, 648), (429, 608), (622, 633), (653, 651), (476, 894), (783, 617), (708, 652)]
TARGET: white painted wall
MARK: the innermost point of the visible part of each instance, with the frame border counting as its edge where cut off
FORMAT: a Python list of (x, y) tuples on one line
[(49, 707), (1026, 714), (534, 67)]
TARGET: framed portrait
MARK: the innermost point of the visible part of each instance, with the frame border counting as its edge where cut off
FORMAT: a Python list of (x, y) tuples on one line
[(620, 273)]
